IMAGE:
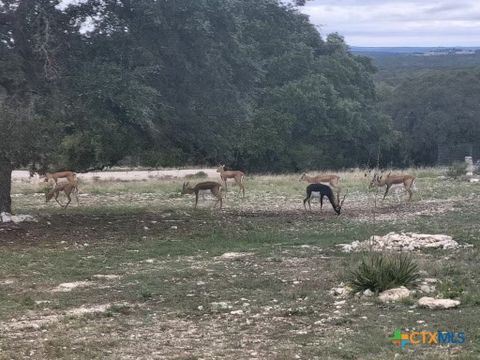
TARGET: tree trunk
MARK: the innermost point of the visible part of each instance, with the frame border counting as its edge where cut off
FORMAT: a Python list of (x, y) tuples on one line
[(5, 186)]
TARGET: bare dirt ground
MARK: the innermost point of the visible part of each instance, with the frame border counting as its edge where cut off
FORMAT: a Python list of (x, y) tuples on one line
[(134, 272)]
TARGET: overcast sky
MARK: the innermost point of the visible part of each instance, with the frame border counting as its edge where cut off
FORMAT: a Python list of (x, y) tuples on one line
[(399, 23)]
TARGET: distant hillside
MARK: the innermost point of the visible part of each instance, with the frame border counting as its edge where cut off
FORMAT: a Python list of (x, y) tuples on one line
[(404, 50), (392, 62)]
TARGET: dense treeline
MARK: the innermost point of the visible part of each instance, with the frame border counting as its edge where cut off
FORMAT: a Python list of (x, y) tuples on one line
[(247, 82), (179, 82), (432, 109)]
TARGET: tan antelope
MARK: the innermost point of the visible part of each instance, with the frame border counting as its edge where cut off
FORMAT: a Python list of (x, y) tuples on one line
[(330, 180), (69, 175), (238, 176), (213, 186), (408, 181), (68, 188)]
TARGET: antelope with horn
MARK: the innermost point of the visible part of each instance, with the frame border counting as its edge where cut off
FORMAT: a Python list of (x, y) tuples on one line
[(323, 190), (408, 182), (238, 176), (213, 186), (330, 180)]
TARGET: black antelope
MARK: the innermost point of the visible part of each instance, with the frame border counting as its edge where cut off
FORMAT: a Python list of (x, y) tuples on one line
[(330, 180), (323, 190)]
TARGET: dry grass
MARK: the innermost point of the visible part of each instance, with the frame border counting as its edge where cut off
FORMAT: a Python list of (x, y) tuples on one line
[(154, 283)]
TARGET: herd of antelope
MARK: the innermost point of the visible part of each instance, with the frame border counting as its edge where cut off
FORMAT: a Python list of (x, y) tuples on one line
[(320, 186)]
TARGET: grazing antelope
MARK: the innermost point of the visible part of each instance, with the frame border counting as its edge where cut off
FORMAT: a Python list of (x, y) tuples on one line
[(69, 175), (238, 176), (213, 186), (326, 179), (68, 188), (324, 190), (330, 180), (408, 182)]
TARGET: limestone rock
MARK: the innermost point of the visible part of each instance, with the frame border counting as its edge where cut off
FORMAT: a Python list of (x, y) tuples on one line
[(341, 291), (402, 242), (394, 294), (427, 289), (368, 293), (432, 303)]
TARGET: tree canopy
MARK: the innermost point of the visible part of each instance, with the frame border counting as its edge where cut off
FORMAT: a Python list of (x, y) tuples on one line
[(179, 82), (431, 109)]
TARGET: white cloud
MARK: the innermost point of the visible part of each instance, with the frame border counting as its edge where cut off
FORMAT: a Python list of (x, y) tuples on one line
[(63, 4), (399, 23)]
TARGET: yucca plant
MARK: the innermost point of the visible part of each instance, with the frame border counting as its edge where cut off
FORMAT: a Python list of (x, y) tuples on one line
[(379, 272)]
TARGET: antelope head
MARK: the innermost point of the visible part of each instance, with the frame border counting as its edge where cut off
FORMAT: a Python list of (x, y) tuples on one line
[(185, 188), (49, 195), (375, 181), (220, 168)]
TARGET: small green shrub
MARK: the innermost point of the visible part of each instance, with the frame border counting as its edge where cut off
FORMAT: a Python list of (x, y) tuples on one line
[(379, 272), (450, 289), (197, 175), (457, 169)]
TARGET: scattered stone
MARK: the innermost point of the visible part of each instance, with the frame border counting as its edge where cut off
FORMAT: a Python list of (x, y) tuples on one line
[(66, 287), (342, 291), (368, 293), (233, 255), (6, 218), (427, 289), (394, 294), (222, 305), (236, 312), (432, 303), (107, 277), (174, 227), (82, 310), (402, 242)]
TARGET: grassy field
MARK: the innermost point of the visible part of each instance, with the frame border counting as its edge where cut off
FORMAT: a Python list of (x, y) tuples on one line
[(134, 272)]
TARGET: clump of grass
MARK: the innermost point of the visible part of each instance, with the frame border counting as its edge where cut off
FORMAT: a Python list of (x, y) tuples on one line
[(379, 272), (476, 170), (450, 290), (457, 169)]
